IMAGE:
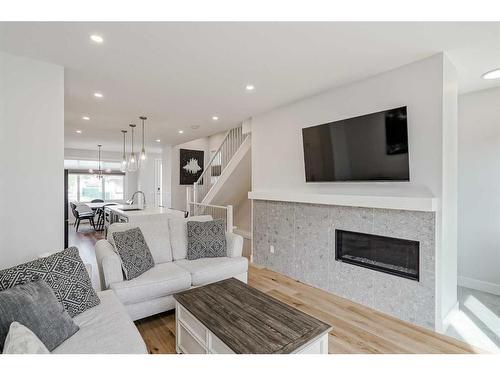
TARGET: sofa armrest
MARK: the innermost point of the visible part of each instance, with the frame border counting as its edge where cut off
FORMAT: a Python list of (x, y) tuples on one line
[(109, 264), (234, 244)]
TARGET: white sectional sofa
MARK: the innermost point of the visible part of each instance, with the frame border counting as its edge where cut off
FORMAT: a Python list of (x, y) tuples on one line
[(104, 329), (152, 292)]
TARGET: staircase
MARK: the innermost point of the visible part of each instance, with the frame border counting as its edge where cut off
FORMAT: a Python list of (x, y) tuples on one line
[(213, 191), (225, 160)]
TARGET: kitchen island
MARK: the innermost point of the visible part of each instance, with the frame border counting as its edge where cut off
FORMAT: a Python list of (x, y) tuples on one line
[(137, 213)]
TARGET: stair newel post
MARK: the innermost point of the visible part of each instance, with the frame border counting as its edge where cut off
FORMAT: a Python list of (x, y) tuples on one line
[(195, 192), (188, 198), (229, 218)]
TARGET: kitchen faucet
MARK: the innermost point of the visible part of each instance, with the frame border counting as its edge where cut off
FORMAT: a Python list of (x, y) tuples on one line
[(132, 199)]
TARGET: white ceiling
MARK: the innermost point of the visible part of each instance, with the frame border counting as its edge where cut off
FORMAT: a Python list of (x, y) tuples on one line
[(180, 74)]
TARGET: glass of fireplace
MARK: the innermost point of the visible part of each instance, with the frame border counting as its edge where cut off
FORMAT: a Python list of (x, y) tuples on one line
[(395, 256)]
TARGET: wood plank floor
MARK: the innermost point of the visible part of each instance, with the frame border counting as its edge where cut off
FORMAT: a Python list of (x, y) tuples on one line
[(356, 328)]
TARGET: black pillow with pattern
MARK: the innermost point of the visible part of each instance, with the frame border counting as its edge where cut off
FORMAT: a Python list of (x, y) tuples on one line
[(64, 272), (206, 239), (134, 252)]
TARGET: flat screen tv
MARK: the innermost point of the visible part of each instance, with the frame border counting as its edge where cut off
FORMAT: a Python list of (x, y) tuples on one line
[(371, 147)]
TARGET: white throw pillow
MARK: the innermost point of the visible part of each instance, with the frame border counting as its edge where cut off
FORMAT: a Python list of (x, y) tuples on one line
[(20, 340), (178, 234)]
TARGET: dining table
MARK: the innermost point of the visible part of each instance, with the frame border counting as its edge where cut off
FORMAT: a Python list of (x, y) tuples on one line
[(95, 206)]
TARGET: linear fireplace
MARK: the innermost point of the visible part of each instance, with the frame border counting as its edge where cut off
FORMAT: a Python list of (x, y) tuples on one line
[(386, 254)]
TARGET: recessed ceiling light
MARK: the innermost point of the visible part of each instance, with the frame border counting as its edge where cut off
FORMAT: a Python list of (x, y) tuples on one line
[(249, 87), (98, 95), (78, 132), (492, 74), (86, 118), (195, 127), (96, 38), (215, 118), (158, 140), (181, 131)]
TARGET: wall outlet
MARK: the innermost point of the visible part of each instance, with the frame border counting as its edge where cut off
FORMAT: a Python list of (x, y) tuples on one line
[(271, 249)]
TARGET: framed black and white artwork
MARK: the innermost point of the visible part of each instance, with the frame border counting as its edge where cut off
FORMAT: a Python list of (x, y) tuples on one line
[(191, 166)]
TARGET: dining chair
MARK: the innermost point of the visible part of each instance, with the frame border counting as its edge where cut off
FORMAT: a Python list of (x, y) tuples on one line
[(102, 215), (83, 212)]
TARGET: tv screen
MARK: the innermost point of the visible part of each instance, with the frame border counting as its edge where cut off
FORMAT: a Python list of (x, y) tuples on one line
[(372, 147)]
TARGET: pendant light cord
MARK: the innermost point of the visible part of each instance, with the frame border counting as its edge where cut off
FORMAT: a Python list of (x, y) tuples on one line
[(132, 140), (142, 134)]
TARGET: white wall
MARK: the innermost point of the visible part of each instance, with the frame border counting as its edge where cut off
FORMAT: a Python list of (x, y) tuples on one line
[(146, 178), (178, 191), (479, 190), (206, 144), (32, 159), (427, 88), (167, 176), (418, 86)]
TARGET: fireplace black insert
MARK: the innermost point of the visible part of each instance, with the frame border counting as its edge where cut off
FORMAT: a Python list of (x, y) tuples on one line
[(386, 254)]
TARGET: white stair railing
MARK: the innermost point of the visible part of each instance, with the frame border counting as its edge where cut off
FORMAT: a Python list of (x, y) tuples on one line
[(220, 160), (217, 212)]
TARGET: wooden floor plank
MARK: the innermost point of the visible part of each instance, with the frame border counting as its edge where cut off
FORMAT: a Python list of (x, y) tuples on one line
[(357, 329)]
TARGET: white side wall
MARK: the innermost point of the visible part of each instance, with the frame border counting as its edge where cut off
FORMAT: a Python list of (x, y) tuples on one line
[(426, 87), (447, 270), (31, 157), (479, 190)]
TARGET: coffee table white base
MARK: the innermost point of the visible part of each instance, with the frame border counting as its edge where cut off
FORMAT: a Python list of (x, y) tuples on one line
[(192, 337)]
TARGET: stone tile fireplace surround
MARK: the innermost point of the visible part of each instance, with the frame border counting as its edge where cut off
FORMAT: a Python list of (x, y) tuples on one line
[(303, 237)]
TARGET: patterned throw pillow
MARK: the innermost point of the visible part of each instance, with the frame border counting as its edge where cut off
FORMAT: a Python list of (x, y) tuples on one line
[(206, 239), (134, 252), (64, 272)]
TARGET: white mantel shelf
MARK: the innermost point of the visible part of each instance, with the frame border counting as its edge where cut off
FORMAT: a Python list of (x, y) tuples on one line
[(410, 203)]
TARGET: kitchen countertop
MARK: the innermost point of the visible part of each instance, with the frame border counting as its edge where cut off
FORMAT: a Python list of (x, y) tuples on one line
[(136, 210)]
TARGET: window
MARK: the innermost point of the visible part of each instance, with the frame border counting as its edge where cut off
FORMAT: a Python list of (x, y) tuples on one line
[(113, 187), (84, 187), (72, 187)]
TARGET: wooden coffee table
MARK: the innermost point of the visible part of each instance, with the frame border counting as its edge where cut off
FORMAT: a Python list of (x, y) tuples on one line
[(230, 317)]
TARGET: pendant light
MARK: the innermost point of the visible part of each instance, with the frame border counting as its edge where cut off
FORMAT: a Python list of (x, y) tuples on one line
[(123, 166), (132, 160), (99, 171), (143, 151)]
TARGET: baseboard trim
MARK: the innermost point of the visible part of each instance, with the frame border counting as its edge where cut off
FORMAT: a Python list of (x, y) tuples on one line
[(483, 286), (243, 233)]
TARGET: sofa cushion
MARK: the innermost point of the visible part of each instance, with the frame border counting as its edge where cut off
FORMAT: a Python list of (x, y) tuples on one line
[(134, 252), (209, 270), (160, 281), (20, 340), (104, 329), (64, 272), (35, 306), (178, 234), (156, 232)]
